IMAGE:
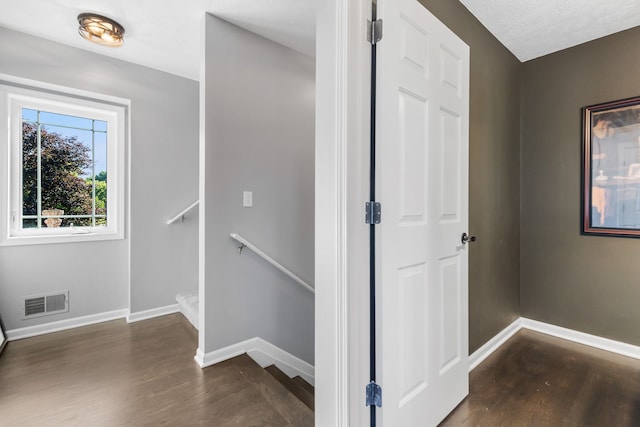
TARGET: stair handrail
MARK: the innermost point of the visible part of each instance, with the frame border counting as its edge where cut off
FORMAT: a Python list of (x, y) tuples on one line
[(182, 213), (245, 243)]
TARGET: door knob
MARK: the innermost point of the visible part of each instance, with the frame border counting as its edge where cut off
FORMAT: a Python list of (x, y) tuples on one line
[(466, 238)]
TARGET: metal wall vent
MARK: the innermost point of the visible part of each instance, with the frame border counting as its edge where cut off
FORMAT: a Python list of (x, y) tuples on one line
[(45, 304)]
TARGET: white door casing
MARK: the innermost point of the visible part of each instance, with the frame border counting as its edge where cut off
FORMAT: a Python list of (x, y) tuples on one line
[(341, 242), (422, 266)]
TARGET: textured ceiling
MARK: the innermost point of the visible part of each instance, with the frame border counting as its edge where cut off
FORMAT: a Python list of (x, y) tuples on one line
[(533, 28), (528, 28), (175, 50)]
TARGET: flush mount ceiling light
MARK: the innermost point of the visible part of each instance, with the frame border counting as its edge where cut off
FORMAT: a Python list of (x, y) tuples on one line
[(100, 29)]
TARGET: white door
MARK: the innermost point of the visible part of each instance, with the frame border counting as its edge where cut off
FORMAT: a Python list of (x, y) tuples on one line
[(423, 138)]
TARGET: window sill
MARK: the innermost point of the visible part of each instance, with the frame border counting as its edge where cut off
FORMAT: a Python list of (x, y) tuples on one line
[(78, 237)]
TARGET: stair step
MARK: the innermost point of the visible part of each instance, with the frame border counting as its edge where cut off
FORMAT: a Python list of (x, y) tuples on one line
[(305, 385), (289, 406), (297, 386)]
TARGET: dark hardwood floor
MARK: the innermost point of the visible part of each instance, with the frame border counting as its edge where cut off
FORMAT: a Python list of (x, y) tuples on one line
[(139, 374), (539, 380), (143, 374)]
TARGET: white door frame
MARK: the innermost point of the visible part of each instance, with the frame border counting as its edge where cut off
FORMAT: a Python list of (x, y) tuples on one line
[(341, 189)]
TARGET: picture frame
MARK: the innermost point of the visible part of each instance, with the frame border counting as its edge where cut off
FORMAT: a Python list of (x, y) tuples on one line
[(611, 168)]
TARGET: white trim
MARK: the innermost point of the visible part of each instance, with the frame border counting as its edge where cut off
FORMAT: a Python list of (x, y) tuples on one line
[(578, 337), (154, 312), (200, 358), (264, 353), (340, 112), (126, 227), (226, 353), (494, 343), (595, 341), (62, 325), (63, 101), (202, 187), (63, 89)]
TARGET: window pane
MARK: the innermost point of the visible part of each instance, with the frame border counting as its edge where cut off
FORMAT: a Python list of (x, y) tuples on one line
[(29, 170), (75, 145), (30, 115), (29, 223), (48, 118), (99, 125), (100, 157), (65, 165), (71, 155), (100, 153), (51, 218), (76, 222)]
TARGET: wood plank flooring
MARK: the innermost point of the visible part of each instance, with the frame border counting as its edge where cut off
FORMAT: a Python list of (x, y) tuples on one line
[(143, 374), (139, 374), (539, 380)]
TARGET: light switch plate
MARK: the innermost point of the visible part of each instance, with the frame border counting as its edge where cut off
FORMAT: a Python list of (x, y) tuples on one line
[(247, 199)]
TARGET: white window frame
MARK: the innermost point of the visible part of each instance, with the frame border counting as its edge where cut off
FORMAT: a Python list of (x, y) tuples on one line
[(15, 95)]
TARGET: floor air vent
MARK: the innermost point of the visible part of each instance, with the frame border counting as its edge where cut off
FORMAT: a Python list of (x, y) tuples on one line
[(42, 305)]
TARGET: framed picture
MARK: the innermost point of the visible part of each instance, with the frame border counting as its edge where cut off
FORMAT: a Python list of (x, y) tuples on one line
[(611, 168)]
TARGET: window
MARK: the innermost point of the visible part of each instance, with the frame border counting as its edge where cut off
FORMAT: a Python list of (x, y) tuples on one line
[(65, 158)]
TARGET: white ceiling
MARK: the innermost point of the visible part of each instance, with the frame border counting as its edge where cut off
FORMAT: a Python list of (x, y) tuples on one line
[(528, 28), (534, 28), (175, 50)]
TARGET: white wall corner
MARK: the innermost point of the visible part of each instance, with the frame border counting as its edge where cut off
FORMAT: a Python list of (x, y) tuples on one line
[(62, 325), (154, 312), (199, 357), (264, 354), (494, 343)]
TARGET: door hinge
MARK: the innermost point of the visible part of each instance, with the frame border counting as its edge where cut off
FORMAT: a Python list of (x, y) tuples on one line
[(373, 213), (374, 394), (374, 31)]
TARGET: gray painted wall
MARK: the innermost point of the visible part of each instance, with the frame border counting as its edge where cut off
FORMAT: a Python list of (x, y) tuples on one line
[(259, 106), (580, 282), (494, 170), (164, 180)]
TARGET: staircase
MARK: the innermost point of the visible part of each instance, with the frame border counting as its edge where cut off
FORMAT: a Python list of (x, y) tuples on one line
[(268, 394), (296, 386), (288, 392)]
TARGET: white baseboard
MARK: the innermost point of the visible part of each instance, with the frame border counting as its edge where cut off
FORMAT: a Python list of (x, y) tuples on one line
[(62, 325), (494, 343), (595, 341), (264, 354), (226, 353), (199, 358), (154, 312)]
